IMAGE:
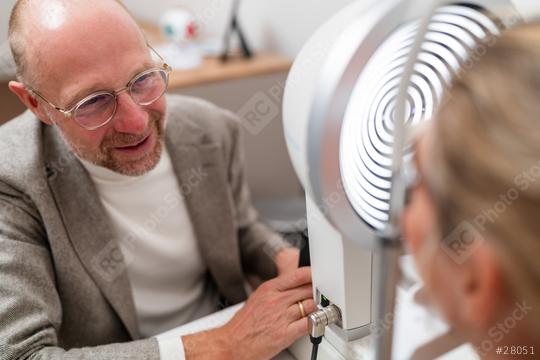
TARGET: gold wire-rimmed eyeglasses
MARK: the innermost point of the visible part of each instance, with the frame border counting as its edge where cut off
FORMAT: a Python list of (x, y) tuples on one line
[(98, 109)]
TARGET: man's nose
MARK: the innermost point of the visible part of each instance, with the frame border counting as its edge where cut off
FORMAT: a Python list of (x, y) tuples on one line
[(130, 117)]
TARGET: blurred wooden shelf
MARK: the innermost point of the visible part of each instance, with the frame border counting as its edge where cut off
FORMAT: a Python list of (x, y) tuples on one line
[(213, 70)]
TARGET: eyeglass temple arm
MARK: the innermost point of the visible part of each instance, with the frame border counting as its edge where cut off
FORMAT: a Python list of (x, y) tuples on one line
[(35, 93), (159, 56)]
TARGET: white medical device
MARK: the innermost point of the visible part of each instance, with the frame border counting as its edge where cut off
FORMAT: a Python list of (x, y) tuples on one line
[(340, 110)]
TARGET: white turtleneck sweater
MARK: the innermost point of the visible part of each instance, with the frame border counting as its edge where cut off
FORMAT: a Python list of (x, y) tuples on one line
[(167, 273)]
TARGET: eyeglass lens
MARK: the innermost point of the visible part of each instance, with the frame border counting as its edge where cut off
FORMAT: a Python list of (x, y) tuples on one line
[(144, 89)]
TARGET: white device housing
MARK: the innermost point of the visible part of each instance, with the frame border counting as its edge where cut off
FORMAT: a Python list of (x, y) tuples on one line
[(316, 101)]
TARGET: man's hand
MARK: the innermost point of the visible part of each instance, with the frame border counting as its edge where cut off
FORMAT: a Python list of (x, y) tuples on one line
[(269, 322), (287, 260)]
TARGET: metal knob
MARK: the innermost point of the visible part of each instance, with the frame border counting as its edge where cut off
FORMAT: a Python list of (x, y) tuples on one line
[(319, 320)]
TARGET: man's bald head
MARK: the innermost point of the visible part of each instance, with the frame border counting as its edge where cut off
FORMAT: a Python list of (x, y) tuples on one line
[(32, 20)]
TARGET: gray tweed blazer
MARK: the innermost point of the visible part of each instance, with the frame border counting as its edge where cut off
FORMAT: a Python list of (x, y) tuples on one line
[(64, 291)]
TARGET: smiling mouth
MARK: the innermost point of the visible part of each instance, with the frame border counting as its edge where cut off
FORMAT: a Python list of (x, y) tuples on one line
[(136, 145)]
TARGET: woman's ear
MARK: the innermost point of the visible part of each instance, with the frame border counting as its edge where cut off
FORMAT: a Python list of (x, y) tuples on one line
[(483, 288), (29, 101)]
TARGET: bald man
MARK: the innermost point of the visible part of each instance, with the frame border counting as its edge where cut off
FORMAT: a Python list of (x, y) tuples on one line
[(125, 212)]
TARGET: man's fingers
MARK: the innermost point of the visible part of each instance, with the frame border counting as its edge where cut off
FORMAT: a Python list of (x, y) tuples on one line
[(294, 279), (294, 313), (297, 329), (298, 294)]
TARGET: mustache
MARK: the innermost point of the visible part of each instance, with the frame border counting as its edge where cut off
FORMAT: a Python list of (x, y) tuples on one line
[(124, 139)]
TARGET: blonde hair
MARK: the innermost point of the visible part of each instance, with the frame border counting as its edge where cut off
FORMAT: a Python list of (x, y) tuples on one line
[(485, 153)]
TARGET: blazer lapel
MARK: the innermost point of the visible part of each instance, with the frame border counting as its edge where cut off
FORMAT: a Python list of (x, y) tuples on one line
[(200, 170), (88, 228)]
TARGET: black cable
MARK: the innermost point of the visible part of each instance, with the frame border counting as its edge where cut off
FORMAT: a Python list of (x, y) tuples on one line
[(315, 341), (314, 351)]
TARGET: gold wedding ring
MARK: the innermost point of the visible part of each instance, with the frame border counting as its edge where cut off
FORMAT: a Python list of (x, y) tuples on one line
[(302, 312)]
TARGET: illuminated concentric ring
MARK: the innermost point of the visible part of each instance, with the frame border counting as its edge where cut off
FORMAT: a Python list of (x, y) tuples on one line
[(367, 134)]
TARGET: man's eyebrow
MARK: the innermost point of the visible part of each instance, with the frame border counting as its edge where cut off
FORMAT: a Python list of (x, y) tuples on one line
[(81, 94)]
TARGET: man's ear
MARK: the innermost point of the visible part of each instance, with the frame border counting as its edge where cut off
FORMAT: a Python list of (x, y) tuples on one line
[(484, 288), (29, 101)]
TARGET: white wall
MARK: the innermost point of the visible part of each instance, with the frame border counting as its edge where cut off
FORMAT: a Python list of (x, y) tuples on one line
[(276, 25), (5, 10), (6, 64)]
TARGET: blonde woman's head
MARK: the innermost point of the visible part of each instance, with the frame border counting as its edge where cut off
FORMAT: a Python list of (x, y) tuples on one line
[(473, 221)]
